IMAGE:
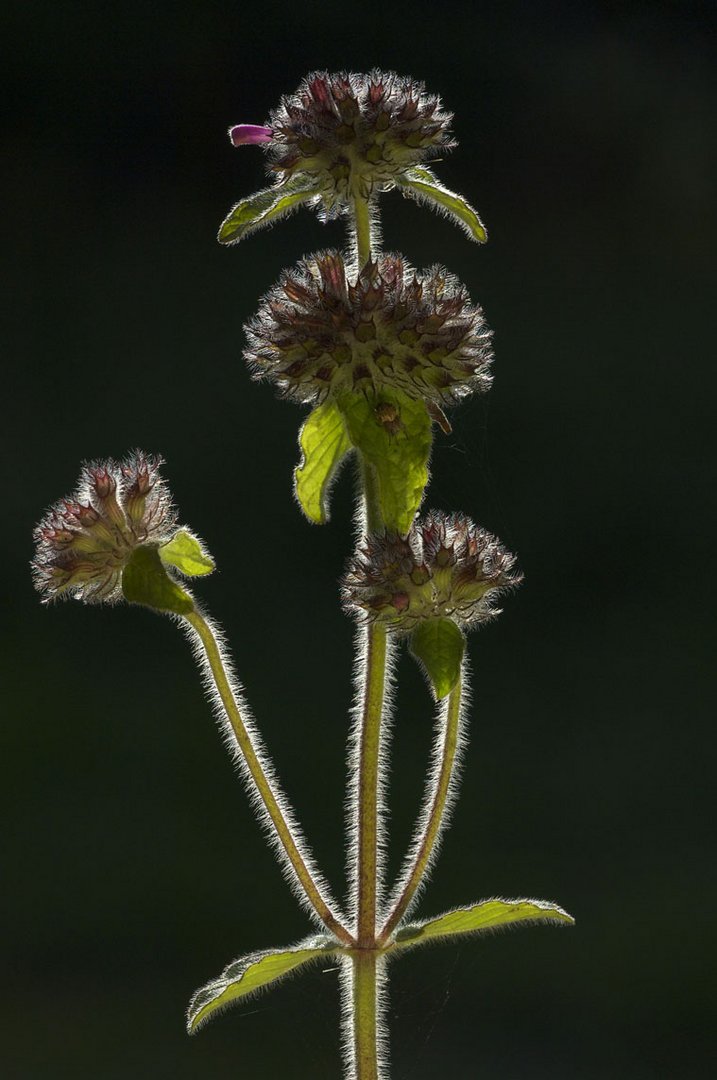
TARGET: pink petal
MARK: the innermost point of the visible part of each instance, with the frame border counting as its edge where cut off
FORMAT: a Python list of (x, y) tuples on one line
[(247, 134)]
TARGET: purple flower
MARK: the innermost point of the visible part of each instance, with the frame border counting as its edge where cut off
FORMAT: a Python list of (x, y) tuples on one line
[(248, 134)]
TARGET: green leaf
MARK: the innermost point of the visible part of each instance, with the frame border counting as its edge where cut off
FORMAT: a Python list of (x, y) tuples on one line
[(251, 973), (422, 184), (477, 918), (398, 449), (265, 206), (439, 645), (324, 442), (145, 581), (186, 553)]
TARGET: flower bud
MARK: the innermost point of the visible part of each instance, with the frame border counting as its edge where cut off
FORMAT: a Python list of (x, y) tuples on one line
[(446, 568), (249, 134), (355, 133), (85, 542), (324, 331)]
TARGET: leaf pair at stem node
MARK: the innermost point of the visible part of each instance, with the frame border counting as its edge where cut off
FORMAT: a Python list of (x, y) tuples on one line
[(258, 971)]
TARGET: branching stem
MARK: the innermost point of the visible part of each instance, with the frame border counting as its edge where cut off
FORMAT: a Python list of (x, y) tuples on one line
[(261, 781)]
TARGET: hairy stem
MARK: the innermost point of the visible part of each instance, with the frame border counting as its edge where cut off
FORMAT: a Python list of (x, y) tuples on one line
[(365, 1015), (431, 828), (368, 787), (372, 507), (367, 873), (263, 785), (362, 230), (367, 883)]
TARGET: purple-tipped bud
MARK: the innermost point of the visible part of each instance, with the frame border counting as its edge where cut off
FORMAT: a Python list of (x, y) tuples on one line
[(250, 134)]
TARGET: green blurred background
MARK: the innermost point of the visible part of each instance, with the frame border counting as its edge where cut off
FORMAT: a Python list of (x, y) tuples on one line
[(133, 867)]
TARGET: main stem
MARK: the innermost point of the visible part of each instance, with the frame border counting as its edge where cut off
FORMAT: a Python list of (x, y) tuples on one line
[(362, 230), (261, 781), (365, 1012), (365, 997), (368, 827)]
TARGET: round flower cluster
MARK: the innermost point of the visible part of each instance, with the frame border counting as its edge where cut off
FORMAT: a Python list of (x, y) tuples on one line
[(318, 333), (85, 541), (446, 567), (354, 133)]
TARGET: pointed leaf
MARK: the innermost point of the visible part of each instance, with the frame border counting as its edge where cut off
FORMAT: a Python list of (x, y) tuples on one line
[(422, 184), (251, 973), (393, 433), (324, 443), (264, 207), (477, 918), (186, 553), (145, 581), (439, 646)]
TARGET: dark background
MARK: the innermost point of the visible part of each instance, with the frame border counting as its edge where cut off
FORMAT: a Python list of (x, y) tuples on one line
[(133, 868)]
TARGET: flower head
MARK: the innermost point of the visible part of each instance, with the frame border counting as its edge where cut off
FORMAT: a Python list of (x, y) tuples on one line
[(354, 133), (85, 541), (341, 140), (446, 568), (377, 124), (322, 331)]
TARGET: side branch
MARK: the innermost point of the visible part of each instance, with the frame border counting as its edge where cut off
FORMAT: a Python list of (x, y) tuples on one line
[(428, 831), (263, 785)]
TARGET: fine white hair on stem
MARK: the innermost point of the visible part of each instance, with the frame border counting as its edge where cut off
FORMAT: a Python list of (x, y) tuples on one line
[(354, 758), (353, 818), (430, 793), (231, 743), (347, 979), (375, 237)]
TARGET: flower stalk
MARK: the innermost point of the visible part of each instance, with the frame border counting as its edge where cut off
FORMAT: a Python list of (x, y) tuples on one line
[(428, 833), (270, 800)]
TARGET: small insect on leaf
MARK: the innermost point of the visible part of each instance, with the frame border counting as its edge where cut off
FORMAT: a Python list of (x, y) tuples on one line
[(389, 417)]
